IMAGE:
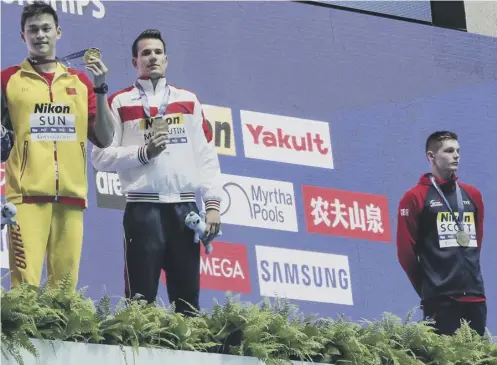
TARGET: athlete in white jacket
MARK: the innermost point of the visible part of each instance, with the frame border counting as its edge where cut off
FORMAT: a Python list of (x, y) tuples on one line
[(160, 172)]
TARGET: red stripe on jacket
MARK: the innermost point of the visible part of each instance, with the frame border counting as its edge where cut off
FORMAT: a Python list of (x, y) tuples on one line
[(134, 112)]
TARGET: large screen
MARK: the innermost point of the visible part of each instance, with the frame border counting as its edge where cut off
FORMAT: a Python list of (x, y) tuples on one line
[(418, 9), (320, 128)]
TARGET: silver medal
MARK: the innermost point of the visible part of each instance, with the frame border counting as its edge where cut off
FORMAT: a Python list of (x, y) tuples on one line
[(462, 238)]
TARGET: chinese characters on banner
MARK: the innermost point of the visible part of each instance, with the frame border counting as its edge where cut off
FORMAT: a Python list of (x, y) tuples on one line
[(346, 213)]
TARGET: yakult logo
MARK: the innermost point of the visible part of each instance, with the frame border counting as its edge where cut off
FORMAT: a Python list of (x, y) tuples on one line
[(346, 213), (258, 203), (225, 269), (286, 139)]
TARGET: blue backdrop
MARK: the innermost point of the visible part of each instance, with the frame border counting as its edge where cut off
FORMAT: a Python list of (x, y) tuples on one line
[(382, 86)]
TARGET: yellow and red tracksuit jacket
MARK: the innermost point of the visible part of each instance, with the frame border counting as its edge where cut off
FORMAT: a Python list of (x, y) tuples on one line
[(51, 123)]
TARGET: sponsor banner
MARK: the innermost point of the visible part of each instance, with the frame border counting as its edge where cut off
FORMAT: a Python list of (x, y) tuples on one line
[(346, 213), (220, 122), (286, 139), (225, 269), (109, 193), (258, 203), (304, 275)]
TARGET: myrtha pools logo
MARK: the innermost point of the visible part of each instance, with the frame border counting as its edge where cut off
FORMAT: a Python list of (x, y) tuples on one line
[(258, 203)]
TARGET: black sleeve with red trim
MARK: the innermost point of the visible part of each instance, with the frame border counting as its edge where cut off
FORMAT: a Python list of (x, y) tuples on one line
[(476, 197), (408, 214)]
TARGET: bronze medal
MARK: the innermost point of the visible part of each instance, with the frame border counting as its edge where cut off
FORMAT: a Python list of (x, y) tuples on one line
[(462, 238)]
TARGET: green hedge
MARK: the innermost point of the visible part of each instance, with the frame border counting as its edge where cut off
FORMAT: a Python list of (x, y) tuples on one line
[(273, 331)]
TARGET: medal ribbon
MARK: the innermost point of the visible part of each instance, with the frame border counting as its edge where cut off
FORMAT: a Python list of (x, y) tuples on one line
[(460, 207), (64, 59), (146, 106), (73, 56)]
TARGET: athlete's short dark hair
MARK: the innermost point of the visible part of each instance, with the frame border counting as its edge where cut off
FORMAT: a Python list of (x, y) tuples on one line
[(435, 140), (38, 8), (147, 34)]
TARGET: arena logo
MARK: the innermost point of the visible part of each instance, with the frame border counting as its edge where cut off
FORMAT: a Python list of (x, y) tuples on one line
[(258, 203), (108, 189), (75, 7)]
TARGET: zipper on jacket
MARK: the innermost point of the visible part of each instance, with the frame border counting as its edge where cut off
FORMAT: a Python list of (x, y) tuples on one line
[(83, 151), (56, 163), (24, 158)]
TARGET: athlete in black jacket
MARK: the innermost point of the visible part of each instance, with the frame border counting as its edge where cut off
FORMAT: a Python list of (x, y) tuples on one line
[(439, 253)]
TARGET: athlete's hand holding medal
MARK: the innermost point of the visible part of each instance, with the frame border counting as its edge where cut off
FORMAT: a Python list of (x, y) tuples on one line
[(94, 63), (158, 142)]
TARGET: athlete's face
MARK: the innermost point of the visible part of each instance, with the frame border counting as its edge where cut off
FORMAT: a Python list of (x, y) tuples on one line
[(446, 158), (151, 61), (40, 35)]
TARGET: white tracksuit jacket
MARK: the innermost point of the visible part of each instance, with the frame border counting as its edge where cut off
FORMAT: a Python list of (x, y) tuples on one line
[(188, 164)]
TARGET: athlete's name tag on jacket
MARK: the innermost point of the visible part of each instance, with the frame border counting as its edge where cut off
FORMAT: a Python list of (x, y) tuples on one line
[(176, 130), (447, 229), (52, 122)]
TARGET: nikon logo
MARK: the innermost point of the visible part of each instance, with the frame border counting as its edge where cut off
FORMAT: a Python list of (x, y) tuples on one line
[(174, 119), (220, 123), (47, 108)]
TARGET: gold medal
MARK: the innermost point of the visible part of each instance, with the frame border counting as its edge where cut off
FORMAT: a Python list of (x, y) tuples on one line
[(462, 238), (95, 52)]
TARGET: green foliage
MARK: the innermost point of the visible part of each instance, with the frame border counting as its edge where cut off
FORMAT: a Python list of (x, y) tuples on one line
[(273, 331)]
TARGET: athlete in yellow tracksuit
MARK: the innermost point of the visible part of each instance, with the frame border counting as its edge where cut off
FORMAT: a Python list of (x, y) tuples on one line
[(53, 111)]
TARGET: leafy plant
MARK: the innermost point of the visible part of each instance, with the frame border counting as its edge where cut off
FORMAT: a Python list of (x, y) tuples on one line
[(274, 331)]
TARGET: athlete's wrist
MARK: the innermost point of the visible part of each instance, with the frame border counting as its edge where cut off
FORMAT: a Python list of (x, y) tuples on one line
[(147, 151), (98, 81), (143, 155)]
